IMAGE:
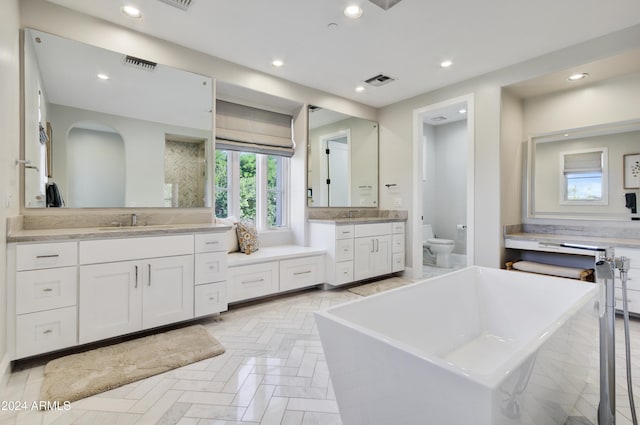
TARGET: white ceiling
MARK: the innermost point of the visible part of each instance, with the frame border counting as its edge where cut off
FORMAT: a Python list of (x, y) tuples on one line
[(406, 42)]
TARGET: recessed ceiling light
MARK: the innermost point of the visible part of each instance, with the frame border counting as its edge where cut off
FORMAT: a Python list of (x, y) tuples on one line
[(277, 63), (353, 11), (103, 76), (131, 12), (446, 64), (462, 111), (360, 89), (332, 25), (580, 76)]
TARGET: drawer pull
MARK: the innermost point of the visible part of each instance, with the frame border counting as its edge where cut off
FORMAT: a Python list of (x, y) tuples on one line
[(620, 299), (48, 256), (47, 289), (212, 298), (48, 331), (299, 273), (212, 243), (244, 282)]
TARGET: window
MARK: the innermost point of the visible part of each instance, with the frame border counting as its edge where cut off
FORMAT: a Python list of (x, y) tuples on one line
[(252, 186), (584, 177)]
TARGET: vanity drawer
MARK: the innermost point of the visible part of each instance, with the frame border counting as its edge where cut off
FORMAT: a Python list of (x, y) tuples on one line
[(301, 272), (126, 249), (344, 272), (397, 227), (46, 255), (252, 281), (38, 290), (397, 243), (45, 331), (344, 249), (373, 229), (344, 231), (210, 298), (397, 264), (210, 267), (211, 242)]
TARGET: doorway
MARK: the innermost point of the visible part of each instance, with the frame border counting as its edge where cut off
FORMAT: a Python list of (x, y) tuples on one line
[(335, 168), (444, 179)]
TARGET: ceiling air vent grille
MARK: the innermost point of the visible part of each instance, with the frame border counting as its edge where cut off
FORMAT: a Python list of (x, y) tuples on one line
[(139, 63), (385, 4), (180, 4), (379, 80), (439, 118)]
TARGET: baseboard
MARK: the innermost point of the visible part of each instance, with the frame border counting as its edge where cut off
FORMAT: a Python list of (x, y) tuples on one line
[(5, 370)]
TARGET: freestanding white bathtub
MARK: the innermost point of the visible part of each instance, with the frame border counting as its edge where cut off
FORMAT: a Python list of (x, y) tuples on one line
[(478, 346)]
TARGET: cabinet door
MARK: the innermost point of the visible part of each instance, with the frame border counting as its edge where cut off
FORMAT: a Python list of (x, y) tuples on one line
[(382, 255), (168, 290), (110, 297), (372, 257), (363, 258)]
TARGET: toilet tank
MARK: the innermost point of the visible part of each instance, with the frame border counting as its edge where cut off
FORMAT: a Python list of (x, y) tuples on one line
[(427, 232)]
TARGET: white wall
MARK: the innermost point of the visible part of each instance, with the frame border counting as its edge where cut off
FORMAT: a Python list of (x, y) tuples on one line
[(429, 175), (9, 147), (96, 169)]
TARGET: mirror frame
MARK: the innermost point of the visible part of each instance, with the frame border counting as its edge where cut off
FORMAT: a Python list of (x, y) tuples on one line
[(569, 134)]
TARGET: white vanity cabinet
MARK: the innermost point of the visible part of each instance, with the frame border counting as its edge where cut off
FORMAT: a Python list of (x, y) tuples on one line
[(372, 250), (45, 293), (118, 295), (359, 251), (633, 281)]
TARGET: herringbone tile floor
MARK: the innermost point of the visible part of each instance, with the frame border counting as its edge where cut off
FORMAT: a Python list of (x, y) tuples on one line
[(272, 373)]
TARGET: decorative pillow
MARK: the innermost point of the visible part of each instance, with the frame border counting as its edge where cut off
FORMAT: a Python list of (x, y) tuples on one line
[(232, 237), (247, 237)]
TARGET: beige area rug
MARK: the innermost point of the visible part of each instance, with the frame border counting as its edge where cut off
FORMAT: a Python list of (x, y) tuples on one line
[(379, 286), (81, 375)]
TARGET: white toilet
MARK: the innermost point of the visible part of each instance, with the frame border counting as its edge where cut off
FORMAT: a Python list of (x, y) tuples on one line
[(439, 248)]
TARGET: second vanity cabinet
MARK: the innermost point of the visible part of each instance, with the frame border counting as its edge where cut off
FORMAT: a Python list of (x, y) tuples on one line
[(118, 297), (357, 251)]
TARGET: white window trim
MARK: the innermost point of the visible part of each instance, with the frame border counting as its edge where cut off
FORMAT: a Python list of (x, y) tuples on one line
[(605, 178), (233, 195)]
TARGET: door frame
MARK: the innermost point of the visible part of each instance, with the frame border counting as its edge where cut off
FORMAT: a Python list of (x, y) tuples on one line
[(418, 147)]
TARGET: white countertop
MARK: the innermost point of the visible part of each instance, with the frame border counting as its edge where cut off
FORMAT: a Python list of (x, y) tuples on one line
[(41, 235), (574, 239)]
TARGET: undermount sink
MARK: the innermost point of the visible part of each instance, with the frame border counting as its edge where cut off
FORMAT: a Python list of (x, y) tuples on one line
[(149, 227)]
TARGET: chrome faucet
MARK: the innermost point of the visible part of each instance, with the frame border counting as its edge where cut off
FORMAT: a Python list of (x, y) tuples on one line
[(134, 219), (352, 214)]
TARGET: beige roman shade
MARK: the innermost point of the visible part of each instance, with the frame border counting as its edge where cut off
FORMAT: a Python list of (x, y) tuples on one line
[(247, 129)]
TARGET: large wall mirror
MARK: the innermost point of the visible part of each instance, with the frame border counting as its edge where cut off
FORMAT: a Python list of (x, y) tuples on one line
[(103, 129), (585, 173), (342, 163)]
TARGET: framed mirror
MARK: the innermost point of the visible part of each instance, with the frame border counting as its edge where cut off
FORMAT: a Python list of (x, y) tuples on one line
[(342, 163), (104, 129), (583, 173)]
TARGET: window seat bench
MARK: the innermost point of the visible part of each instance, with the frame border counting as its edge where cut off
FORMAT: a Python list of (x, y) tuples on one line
[(272, 270)]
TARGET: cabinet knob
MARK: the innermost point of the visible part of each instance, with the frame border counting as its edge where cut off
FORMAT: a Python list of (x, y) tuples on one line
[(48, 331)]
